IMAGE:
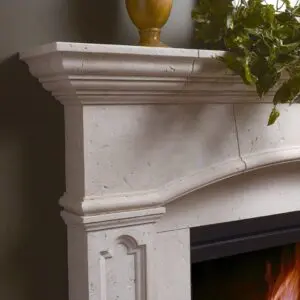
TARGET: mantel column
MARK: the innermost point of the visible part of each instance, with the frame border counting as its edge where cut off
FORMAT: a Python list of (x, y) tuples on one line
[(112, 256)]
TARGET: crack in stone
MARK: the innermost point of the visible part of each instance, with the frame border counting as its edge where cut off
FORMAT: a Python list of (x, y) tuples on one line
[(189, 75), (237, 139)]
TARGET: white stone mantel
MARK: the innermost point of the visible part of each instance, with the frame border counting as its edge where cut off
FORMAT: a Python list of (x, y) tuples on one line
[(145, 127)]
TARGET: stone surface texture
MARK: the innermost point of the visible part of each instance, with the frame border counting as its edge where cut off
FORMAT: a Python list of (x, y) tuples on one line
[(158, 141)]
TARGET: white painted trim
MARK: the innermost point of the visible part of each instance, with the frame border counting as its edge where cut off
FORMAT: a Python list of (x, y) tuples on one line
[(181, 186)]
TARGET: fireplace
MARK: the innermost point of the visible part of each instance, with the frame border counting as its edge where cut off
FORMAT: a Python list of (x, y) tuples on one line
[(266, 274), (161, 144), (250, 259)]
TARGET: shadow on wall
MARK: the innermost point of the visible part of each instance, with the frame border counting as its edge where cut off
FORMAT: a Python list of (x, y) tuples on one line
[(33, 252), (101, 21)]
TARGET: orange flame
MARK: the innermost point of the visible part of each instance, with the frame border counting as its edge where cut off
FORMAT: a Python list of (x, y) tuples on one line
[(287, 284)]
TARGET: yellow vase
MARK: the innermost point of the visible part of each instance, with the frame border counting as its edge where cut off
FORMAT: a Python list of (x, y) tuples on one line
[(149, 16)]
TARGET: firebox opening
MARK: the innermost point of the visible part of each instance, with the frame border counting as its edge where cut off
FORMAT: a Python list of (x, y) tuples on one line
[(257, 259)]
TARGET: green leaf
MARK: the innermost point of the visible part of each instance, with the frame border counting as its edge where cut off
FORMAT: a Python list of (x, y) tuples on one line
[(288, 91), (208, 32), (263, 48), (269, 13), (247, 76), (287, 3), (288, 48), (232, 62), (296, 10), (284, 17), (274, 115), (240, 66), (283, 94), (221, 6), (262, 43), (283, 60), (266, 74), (266, 82)]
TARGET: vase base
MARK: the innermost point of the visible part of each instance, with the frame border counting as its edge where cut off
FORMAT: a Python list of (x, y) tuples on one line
[(151, 38), (160, 44)]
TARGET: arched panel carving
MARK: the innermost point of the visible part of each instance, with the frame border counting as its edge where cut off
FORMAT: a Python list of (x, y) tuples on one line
[(123, 270)]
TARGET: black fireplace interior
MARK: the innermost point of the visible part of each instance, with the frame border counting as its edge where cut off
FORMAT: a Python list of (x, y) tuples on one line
[(255, 259)]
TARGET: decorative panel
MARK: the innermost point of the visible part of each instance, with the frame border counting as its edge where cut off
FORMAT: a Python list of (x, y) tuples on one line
[(123, 271)]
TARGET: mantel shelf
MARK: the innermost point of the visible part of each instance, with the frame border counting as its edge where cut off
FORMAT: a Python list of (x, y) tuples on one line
[(113, 74)]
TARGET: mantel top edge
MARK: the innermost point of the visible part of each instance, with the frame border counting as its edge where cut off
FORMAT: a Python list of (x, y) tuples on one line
[(117, 50)]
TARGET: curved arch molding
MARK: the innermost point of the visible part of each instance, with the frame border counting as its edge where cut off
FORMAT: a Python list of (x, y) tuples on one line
[(180, 187)]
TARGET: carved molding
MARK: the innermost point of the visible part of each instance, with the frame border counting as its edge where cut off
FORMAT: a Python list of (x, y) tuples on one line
[(111, 74), (140, 264), (104, 255), (181, 186), (114, 220), (110, 278)]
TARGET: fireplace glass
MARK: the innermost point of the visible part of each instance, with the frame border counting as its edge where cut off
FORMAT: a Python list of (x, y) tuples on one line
[(257, 259), (270, 274)]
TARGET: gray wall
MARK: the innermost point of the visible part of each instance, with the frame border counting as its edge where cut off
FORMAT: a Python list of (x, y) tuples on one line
[(33, 257)]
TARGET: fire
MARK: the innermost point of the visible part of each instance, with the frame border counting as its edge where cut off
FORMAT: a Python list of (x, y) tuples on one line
[(287, 284)]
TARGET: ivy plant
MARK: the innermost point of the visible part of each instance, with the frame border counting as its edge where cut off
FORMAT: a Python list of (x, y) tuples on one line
[(262, 42)]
